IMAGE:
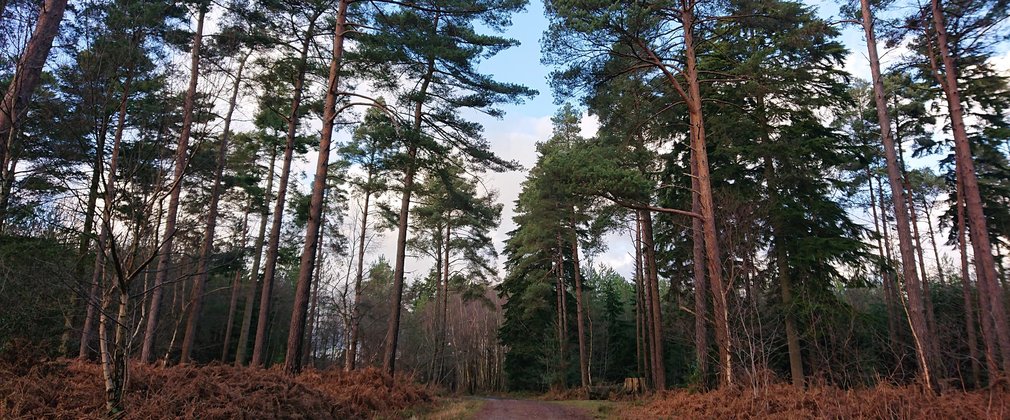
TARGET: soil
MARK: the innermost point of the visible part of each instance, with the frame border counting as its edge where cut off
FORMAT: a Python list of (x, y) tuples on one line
[(495, 409)]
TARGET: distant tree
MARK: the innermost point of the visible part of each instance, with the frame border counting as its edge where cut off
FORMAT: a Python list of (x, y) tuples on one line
[(428, 54)]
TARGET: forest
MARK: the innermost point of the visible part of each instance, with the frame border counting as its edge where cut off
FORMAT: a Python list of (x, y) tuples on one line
[(294, 208)]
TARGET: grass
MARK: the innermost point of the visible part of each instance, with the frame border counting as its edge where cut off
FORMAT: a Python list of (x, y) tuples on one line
[(599, 409), (453, 409)]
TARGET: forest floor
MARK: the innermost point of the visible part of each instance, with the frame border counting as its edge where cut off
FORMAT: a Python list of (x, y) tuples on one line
[(772, 400), (40, 387), (495, 408)]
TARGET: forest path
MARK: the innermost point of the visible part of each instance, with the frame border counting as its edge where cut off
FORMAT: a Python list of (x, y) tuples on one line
[(495, 409)]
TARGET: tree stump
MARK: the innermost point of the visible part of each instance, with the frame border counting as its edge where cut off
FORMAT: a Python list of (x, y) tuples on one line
[(634, 385)]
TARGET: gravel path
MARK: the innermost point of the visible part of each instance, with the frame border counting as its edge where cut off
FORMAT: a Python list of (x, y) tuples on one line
[(527, 410)]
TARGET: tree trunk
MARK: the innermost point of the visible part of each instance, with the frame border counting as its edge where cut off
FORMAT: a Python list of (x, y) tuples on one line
[(292, 362), (29, 70), (969, 312), (782, 261), (235, 285), (914, 221), (106, 217), (307, 359), (207, 248), (652, 276), (579, 311), (443, 322), (985, 266), (936, 249), (896, 299), (560, 291), (640, 327), (232, 307), (352, 347), (396, 301), (254, 272), (113, 362), (885, 275), (270, 265), (91, 299), (792, 336), (916, 317), (926, 294), (181, 162), (700, 285), (698, 146)]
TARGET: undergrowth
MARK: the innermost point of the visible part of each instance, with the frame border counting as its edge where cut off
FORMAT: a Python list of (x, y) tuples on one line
[(825, 402), (71, 389)]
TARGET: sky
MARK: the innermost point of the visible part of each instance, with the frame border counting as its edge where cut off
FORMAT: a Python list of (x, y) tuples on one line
[(514, 136)]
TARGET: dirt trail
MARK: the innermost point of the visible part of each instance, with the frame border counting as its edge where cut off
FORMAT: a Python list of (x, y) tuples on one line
[(495, 409)]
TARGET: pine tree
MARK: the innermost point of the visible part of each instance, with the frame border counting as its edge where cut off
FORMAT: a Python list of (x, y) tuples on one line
[(428, 53)]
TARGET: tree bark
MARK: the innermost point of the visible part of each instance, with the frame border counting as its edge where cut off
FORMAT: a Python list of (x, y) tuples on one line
[(700, 284), (254, 272), (652, 276), (985, 265), (270, 265), (207, 248), (296, 337), (114, 366), (29, 70), (916, 317), (560, 291), (181, 162), (443, 322), (698, 146), (307, 356), (914, 221), (579, 311), (969, 312), (640, 327)]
